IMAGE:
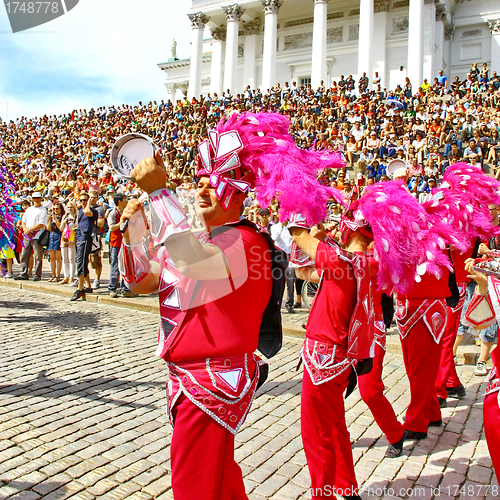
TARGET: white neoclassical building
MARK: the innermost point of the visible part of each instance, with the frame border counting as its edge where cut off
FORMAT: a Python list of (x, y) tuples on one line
[(263, 42)]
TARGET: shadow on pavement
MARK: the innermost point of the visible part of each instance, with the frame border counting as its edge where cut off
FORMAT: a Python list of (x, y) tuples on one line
[(66, 319), (86, 388)]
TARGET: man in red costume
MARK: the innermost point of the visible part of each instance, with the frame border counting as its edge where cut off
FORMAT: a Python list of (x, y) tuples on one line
[(447, 381), (339, 334), (421, 316), (483, 311), (206, 337), (371, 385)]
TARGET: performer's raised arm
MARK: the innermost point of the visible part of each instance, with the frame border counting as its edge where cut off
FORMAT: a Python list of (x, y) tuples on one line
[(170, 226)]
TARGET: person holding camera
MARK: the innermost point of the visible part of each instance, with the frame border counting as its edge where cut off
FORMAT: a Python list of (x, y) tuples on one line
[(55, 227), (87, 220), (34, 222)]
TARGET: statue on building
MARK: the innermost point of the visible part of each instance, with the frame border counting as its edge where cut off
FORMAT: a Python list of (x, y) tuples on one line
[(173, 48)]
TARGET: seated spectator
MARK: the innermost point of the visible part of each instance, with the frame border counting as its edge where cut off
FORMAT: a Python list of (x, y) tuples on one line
[(431, 168), (373, 143), (472, 150), (415, 168)]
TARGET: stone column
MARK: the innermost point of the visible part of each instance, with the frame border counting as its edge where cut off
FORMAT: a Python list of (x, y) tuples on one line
[(494, 26), (448, 33), (198, 22), (271, 8), (233, 15), (380, 8), (416, 43), (438, 60), (171, 87), (318, 71), (429, 34), (218, 46), (252, 30), (365, 40)]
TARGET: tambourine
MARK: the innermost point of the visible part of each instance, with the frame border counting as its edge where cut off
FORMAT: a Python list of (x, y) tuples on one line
[(396, 166), (490, 267), (128, 151)]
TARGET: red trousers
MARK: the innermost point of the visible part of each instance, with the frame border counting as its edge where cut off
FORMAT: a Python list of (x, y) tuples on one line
[(371, 389), (202, 457), (326, 440), (421, 357), (491, 415), (447, 373)]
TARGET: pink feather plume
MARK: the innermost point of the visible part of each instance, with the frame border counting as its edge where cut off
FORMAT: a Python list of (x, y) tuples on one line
[(404, 244), (281, 168), (461, 205)]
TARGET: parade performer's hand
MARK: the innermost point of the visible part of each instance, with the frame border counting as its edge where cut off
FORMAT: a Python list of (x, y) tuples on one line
[(137, 222), (150, 174), (480, 278), (483, 249), (318, 231)]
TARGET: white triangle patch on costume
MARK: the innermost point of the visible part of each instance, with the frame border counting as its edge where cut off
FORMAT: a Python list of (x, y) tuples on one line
[(173, 300), (231, 377), (323, 358), (167, 279), (365, 305)]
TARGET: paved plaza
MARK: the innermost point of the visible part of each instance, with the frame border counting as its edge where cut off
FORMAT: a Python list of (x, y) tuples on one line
[(82, 416)]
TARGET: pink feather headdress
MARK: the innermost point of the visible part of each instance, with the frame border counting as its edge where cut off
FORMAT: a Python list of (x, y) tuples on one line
[(461, 204), (404, 244), (255, 150)]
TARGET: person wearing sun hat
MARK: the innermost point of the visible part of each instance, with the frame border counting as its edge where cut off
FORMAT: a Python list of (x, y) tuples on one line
[(34, 223)]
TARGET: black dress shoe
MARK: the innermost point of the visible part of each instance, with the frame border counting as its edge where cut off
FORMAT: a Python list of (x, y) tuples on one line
[(394, 450), (290, 310), (77, 295), (442, 402), (414, 435), (21, 277), (456, 392), (436, 423)]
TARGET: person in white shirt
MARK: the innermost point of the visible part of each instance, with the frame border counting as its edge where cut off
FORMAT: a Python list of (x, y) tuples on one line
[(283, 240), (34, 222)]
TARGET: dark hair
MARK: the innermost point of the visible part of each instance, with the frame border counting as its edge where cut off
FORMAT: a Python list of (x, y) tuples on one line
[(61, 206), (118, 197)]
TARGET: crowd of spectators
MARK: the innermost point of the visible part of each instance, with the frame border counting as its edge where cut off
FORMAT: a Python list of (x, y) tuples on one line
[(66, 157)]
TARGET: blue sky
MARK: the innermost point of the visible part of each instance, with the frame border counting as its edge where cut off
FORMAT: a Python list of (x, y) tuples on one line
[(101, 52)]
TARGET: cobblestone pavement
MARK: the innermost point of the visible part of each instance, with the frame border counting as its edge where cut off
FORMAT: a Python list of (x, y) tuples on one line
[(82, 416)]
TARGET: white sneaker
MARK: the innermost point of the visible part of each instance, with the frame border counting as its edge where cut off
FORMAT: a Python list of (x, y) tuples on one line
[(481, 369), (9, 276), (96, 284), (75, 283)]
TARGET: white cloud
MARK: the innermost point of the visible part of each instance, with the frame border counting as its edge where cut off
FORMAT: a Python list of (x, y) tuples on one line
[(107, 51)]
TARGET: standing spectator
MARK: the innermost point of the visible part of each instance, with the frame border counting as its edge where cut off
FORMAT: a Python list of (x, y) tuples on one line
[(95, 252), (115, 242), (34, 223), (69, 226), (55, 226), (87, 219), (442, 79)]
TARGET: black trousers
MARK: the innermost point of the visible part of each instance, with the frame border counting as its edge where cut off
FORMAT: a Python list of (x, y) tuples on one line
[(82, 256)]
